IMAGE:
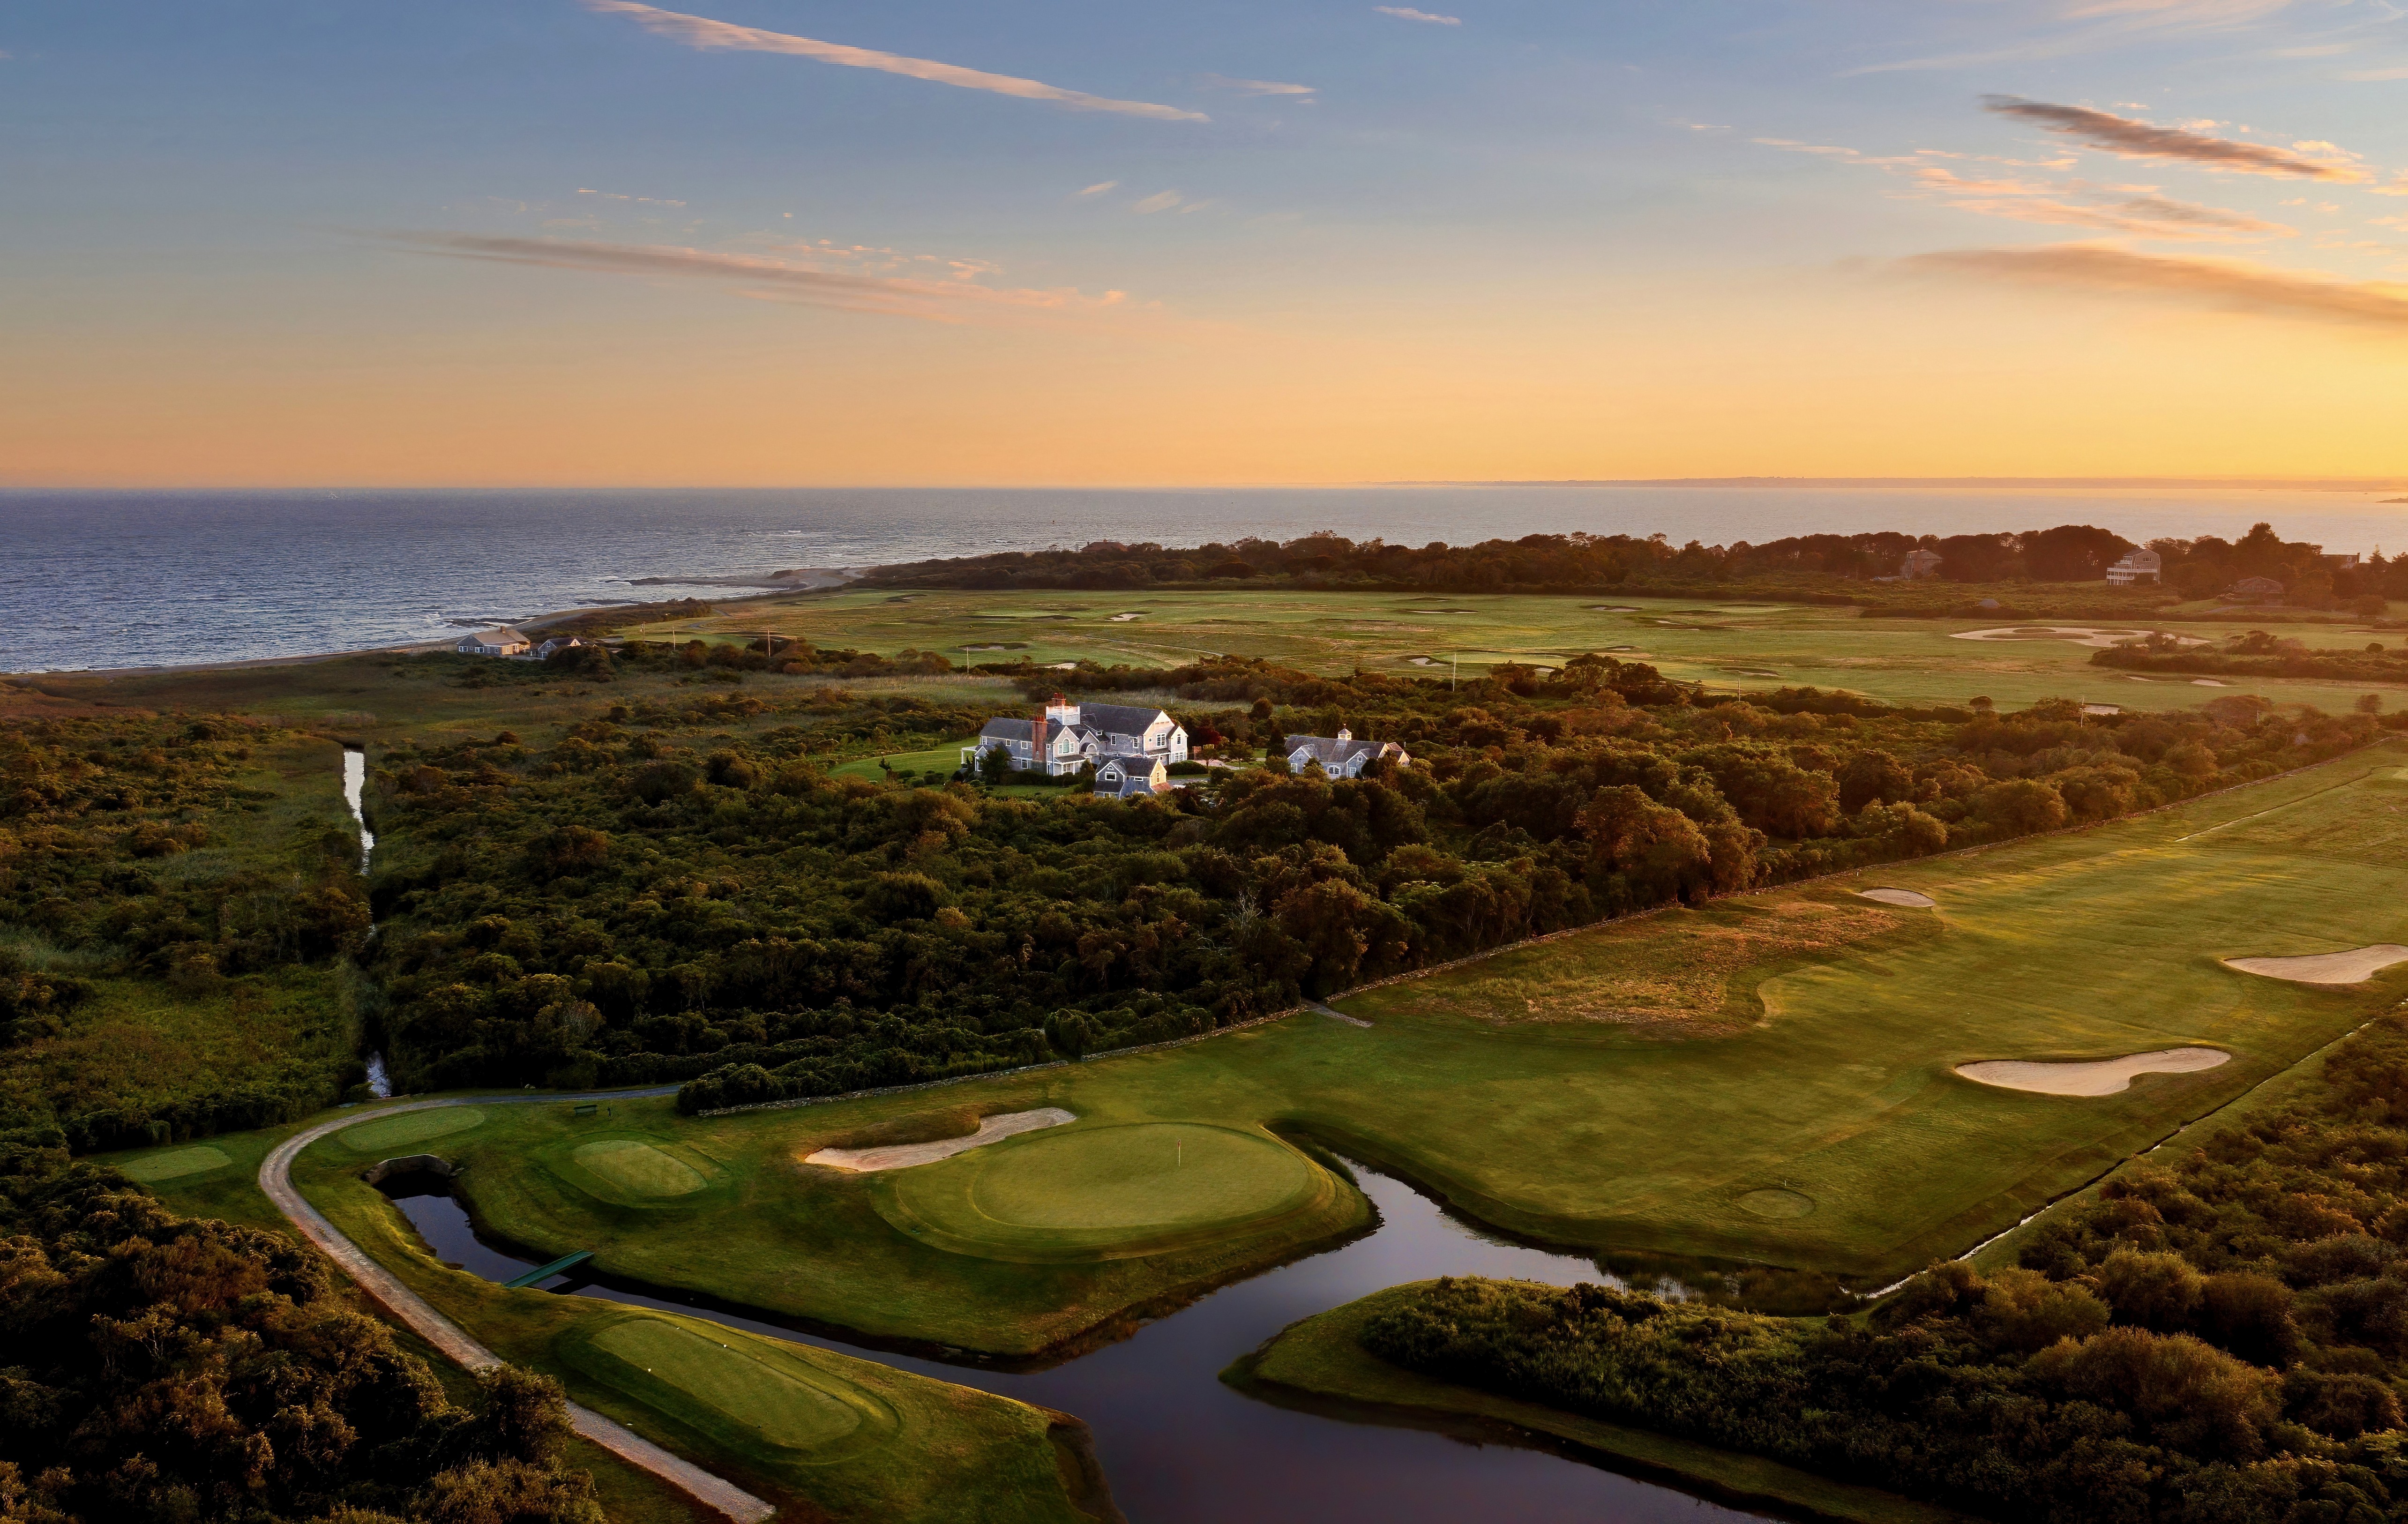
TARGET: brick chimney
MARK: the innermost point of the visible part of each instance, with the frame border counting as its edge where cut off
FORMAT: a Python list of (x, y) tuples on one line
[(1037, 742)]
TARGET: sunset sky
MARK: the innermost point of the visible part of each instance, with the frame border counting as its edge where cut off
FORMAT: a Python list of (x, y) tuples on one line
[(797, 241)]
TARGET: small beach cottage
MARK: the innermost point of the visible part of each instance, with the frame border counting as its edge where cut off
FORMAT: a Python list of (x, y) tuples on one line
[(501, 641)]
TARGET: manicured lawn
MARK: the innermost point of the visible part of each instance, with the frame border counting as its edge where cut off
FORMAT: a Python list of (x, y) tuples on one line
[(1729, 646), (820, 1432), (946, 759), (1767, 1080)]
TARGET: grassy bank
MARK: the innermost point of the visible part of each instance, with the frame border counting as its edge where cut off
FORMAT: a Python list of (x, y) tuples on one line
[(1319, 1364)]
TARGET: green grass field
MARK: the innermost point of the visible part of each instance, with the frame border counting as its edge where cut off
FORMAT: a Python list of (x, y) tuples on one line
[(1730, 646), (817, 1431), (1769, 1079)]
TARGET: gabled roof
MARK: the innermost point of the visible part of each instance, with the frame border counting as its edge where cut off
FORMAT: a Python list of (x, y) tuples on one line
[(498, 635), (1005, 729), (1330, 751), (1120, 719)]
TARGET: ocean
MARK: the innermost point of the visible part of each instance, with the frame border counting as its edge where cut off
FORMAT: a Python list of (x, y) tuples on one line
[(115, 579)]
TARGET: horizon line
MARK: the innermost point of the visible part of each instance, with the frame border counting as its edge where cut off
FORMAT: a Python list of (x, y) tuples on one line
[(2329, 483)]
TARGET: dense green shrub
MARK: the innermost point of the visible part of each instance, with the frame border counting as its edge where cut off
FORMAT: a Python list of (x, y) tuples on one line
[(171, 1368)]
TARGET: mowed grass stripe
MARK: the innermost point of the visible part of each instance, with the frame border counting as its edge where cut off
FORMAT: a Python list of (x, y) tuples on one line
[(411, 1128)]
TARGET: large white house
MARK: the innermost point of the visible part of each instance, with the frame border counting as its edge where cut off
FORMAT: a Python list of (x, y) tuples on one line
[(501, 641), (1067, 737), (2142, 566), (1342, 756)]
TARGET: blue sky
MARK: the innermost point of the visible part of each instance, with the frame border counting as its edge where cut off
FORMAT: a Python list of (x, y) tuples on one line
[(330, 240)]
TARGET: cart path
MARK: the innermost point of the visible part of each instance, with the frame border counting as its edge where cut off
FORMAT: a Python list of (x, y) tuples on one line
[(275, 1178)]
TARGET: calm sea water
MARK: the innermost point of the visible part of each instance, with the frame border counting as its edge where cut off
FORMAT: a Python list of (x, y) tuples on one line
[(97, 579)]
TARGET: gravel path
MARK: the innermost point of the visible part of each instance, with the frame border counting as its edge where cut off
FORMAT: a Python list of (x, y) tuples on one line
[(275, 1178)]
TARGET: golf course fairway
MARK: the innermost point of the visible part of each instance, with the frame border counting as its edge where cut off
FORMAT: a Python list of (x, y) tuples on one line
[(1768, 1078)]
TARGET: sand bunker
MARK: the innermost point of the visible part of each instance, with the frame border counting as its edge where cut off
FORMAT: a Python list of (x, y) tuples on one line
[(2354, 967), (2208, 683), (903, 1155), (2104, 1077), (1907, 898), (2079, 634), (1122, 619)]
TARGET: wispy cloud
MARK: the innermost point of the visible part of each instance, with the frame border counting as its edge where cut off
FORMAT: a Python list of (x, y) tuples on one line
[(1100, 187), (2133, 138), (794, 273), (701, 32), (637, 201), (1159, 201), (2226, 285), (2136, 211), (1410, 14), (2084, 27), (1251, 87), (2396, 72)]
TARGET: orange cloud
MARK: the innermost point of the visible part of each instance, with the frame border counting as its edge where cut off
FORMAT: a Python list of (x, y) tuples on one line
[(2221, 284), (799, 278)]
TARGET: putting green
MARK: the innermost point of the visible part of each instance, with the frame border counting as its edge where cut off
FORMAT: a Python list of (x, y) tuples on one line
[(410, 1127), (639, 1167), (777, 1396), (1101, 1192), (175, 1164)]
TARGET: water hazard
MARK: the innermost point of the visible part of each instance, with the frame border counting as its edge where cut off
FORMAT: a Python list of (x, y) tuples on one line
[(1181, 1448)]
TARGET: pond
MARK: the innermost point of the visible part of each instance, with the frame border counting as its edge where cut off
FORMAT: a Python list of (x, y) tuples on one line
[(1180, 1448)]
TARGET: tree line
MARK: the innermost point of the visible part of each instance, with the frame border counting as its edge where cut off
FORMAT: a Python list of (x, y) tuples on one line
[(2195, 568)]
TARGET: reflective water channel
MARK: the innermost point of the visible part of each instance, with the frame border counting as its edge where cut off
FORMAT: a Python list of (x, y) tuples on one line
[(1180, 1448)]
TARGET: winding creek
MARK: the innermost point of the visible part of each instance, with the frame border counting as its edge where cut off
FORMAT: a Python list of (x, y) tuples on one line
[(1180, 1448), (1178, 1445)]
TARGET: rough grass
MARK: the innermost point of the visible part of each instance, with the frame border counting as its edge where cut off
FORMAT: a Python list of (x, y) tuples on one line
[(175, 1163), (139, 1043), (1691, 972)]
